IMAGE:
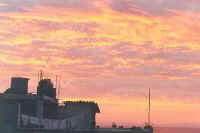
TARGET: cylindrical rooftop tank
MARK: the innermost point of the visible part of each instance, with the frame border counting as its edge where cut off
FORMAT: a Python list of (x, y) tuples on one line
[(20, 85), (45, 88)]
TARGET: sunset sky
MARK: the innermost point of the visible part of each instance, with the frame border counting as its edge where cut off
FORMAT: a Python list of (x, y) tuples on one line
[(110, 51)]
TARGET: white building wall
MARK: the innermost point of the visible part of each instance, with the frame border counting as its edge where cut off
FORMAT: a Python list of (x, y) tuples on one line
[(81, 121)]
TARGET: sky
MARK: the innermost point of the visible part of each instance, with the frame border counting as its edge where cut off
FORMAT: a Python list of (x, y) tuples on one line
[(109, 51)]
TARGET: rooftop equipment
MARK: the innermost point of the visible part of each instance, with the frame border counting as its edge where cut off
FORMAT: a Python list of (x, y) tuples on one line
[(45, 88), (18, 85)]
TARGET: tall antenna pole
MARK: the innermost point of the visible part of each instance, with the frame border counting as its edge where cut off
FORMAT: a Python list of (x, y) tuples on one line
[(57, 85), (41, 74), (149, 111), (56, 81), (38, 76)]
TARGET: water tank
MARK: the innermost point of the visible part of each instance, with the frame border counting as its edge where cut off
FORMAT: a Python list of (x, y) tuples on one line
[(20, 85), (45, 88)]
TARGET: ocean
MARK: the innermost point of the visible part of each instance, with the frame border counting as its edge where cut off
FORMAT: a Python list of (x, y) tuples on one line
[(176, 130)]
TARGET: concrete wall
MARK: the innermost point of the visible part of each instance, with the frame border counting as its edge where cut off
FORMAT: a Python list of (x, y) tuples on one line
[(79, 116), (8, 117)]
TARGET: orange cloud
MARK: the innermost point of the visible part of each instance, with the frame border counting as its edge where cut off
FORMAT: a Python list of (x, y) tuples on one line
[(3, 4)]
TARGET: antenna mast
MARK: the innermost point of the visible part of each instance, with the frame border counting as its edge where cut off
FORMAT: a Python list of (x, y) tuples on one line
[(149, 110), (59, 85), (56, 81), (41, 75), (56, 85)]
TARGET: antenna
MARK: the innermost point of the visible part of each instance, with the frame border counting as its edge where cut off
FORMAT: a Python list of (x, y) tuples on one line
[(56, 81), (149, 110), (56, 85), (41, 75), (59, 85), (46, 65), (38, 76)]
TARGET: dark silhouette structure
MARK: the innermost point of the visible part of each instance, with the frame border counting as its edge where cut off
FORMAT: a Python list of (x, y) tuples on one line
[(45, 88), (43, 110), (86, 111), (21, 112), (18, 86)]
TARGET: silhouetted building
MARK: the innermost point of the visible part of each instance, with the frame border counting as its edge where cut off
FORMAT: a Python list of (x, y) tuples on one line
[(80, 114), (42, 109), (45, 88), (20, 111), (18, 86)]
